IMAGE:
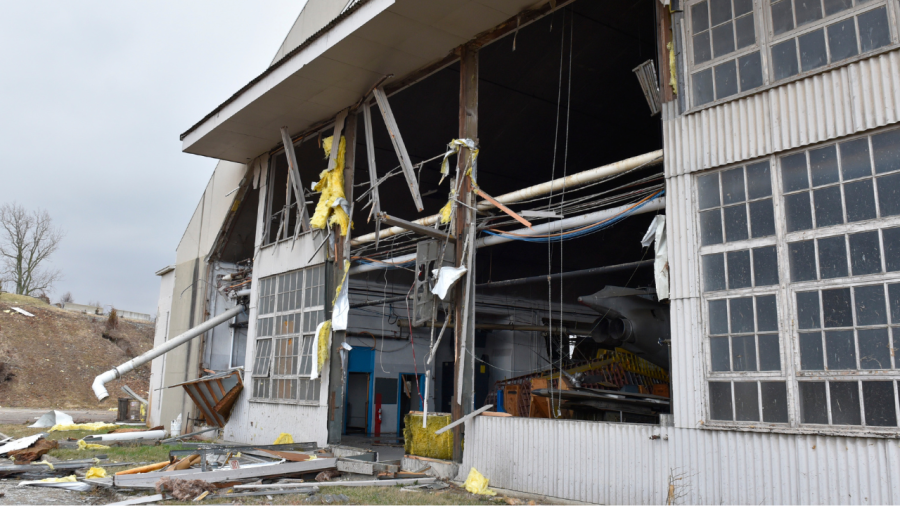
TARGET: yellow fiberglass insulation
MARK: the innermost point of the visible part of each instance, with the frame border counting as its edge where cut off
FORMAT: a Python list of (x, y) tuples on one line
[(324, 344), (423, 442), (331, 184)]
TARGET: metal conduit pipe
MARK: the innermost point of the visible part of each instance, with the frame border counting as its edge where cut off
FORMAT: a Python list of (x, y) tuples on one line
[(570, 182), (583, 272), (117, 372), (543, 228)]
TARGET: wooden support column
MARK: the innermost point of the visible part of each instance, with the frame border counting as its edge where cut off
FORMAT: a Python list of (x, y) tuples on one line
[(465, 337), (341, 253)]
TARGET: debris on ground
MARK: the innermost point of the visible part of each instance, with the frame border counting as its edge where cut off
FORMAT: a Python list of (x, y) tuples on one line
[(33, 452), (477, 483), (184, 490)]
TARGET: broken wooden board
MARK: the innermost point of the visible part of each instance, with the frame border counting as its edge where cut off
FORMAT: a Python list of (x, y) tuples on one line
[(399, 146), (148, 480)]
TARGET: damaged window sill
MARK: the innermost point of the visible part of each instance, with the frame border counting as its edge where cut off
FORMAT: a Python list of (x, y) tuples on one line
[(313, 404), (840, 431)]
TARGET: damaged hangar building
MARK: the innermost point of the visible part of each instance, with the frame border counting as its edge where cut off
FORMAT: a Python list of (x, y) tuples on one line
[(662, 236)]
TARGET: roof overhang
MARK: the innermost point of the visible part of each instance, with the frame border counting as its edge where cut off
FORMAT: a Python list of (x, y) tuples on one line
[(335, 67)]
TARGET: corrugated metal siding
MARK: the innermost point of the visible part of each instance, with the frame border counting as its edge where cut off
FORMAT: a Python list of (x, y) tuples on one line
[(618, 463), (843, 101)]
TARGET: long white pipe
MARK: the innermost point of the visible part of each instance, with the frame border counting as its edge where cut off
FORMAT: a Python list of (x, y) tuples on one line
[(117, 372), (553, 226), (569, 182)]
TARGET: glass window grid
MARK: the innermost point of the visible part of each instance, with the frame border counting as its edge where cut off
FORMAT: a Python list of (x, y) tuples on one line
[(283, 363), (746, 202), (861, 413), (842, 183), (758, 368), (790, 353), (858, 7), (763, 15)]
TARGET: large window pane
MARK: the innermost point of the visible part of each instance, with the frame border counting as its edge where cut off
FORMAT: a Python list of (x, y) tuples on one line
[(840, 351), (784, 59), (813, 407), (811, 351), (759, 180), (894, 302), (713, 272), (874, 349), (726, 83), (766, 314), (720, 401), (889, 195), (878, 399), (865, 254), (886, 151), (812, 50), (718, 317), (774, 401), (797, 212), (765, 266), (769, 353), (842, 40), (719, 354), (733, 186), (832, 257), (870, 306), (741, 315), (723, 39), (782, 17), (833, 6), (746, 401), (844, 403), (803, 260), (824, 166), (891, 237), (742, 7), (750, 68), (808, 11), (860, 198), (874, 31), (720, 11), (793, 173), (836, 308), (829, 210), (739, 269), (762, 218), (708, 191), (745, 31), (699, 17), (736, 223), (703, 85), (808, 310), (855, 158), (743, 353)]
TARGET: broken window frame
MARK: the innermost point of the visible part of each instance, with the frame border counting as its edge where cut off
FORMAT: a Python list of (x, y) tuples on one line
[(787, 301), (766, 40), (287, 317)]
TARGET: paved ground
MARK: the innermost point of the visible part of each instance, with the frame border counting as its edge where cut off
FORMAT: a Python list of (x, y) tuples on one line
[(22, 415)]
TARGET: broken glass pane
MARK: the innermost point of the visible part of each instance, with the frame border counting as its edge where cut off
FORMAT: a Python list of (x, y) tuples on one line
[(836, 308), (793, 173), (708, 191), (746, 33), (720, 401), (840, 350), (812, 50), (812, 402), (733, 186), (844, 403), (894, 302), (743, 353), (803, 260), (870, 307), (823, 165), (891, 237), (774, 401), (711, 227), (713, 272), (797, 212), (726, 86), (759, 179), (750, 68), (718, 317), (811, 351), (766, 314), (878, 399), (699, 17), (782, 17), (719, 353), (889, 195), (855, 158), (832, 6), (720, 11), (860, 198), (784, 59), (736, 223), (723, 39), (762, 218), (741, 315), (874, 349), (808, 11), (832, 257), (746, 401), (738, 269), (808, 310), (703, 86), (829, 210), (886, 148), (769, 355), (742, 7), (765, 266), (842, 40), (874, 31), (865, 255)]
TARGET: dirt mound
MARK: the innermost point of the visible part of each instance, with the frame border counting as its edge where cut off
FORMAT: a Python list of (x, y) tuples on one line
[(50, 360)]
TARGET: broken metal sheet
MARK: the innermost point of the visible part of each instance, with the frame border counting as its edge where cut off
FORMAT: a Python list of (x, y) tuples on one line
[(20, 444), (21, 311), (70, 483), (399, 146), (657, 233), (51, 418), (446, 278), (215, 395), (148, 480)]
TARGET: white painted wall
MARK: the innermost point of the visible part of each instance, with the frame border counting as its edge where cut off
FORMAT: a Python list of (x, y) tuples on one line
[(163, 312)]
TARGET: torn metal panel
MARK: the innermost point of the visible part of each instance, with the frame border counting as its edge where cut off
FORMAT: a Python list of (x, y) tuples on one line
[(399, 146), (215, 395), (646, 75)]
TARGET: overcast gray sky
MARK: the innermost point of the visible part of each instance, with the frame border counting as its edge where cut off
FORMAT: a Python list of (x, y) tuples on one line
[(93, 97)]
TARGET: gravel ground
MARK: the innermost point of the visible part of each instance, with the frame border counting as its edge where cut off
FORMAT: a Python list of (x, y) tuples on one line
[(12, 494)]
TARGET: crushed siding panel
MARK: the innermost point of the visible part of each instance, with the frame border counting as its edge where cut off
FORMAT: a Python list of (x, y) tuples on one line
[(607, 463), (840, 102)]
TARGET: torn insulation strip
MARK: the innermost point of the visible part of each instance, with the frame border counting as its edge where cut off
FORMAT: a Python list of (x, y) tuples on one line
[(452, 149), (320, 346), (330, 209)]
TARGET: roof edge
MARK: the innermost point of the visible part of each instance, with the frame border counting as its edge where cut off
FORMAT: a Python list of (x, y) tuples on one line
[(165, 270)]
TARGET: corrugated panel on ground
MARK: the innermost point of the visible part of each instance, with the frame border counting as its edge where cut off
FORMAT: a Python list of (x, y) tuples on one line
[(601, 462), (843, 101)]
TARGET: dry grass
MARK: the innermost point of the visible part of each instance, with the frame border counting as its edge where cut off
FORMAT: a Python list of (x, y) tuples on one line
[(364, 495)]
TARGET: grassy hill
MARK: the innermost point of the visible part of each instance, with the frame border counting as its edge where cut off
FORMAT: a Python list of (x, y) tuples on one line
[(51, 359)]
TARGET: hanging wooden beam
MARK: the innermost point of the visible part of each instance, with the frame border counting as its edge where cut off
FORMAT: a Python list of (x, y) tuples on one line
[(399, 146), (416, 228), (373, 174), (296, 182)]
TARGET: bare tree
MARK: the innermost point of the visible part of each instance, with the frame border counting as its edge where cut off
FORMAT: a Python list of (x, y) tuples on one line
[(27, 239), (66, 297)]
